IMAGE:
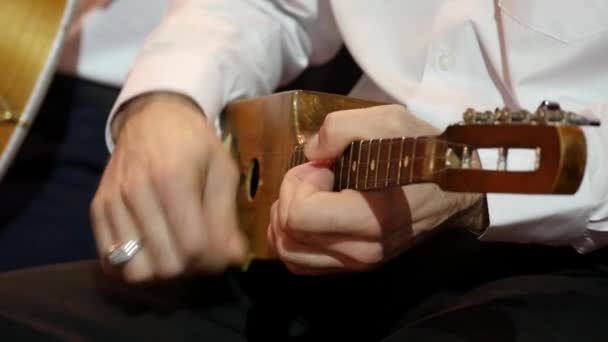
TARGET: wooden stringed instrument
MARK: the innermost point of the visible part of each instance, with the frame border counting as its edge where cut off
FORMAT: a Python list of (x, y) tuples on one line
[(33, 33), (266, 135)]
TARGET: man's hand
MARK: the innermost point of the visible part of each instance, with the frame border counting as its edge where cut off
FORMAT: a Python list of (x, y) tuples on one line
[(314, 230), (171, 183)]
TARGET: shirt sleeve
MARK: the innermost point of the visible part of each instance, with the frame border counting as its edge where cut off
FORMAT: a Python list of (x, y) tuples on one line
[(579, 220), (215, 51)]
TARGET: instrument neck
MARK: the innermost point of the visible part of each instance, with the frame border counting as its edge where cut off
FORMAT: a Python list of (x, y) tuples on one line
[(382, 163)]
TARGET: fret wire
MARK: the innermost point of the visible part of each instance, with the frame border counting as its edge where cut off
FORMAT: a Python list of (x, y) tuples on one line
[(377, 162), (350, 161), (400, 161), (369, 152), (388, 163), (413, 160), (358, 165)]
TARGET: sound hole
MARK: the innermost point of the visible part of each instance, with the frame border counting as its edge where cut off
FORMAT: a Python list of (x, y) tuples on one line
[(253, 179)]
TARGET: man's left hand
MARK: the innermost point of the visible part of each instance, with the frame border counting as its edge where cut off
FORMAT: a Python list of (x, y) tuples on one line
[(315, 230)]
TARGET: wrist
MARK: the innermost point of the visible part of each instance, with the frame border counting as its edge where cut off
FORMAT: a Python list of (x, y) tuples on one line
[(141, 103)]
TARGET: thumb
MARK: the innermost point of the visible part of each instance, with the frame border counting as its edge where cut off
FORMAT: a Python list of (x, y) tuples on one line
[(331, 140), (340, 128)]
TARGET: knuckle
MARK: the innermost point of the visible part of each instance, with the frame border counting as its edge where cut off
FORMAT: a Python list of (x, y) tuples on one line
[(331, 125), (191, 246), (164, 176), (167, 271), (131, 193), (137, 275), (296, 220)]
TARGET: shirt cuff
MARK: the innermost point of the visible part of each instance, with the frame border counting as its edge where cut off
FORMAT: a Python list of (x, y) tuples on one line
[(208, 84)]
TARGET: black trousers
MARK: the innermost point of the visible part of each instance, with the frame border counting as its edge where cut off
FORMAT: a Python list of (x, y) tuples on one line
[(450, 289), (45, 196)]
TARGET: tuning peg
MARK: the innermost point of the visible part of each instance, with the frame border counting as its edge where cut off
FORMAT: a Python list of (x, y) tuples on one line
[(547, 112), (501, 115), (580, 120), (549, 105), (550, 111), (469, 116)]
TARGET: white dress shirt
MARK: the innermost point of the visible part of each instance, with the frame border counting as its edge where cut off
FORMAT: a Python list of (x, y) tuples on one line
[(438, 57), (105, 37)]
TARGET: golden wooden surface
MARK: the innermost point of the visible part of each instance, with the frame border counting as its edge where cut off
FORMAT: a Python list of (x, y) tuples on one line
[(29, 28), (267, 129)]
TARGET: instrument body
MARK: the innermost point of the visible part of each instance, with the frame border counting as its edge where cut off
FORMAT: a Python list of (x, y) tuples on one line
[(266, 135), (33, 34), (262, 133)]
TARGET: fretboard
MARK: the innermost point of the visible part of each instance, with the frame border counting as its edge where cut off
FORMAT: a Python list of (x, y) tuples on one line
[(381, 163)]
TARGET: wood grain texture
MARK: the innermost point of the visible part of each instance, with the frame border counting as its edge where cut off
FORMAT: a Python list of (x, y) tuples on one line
[(29, 28)]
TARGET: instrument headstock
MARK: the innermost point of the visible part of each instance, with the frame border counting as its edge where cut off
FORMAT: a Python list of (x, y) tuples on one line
[(552, 135)]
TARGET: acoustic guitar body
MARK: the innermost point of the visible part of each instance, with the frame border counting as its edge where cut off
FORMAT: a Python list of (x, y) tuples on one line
[(33, 33), (262, 133)]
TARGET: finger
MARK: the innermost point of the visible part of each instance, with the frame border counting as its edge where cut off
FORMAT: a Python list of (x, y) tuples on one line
[(219, 203), (317, 174), (301, 255), (359, 252), (307, 206), (295, 254), (143, 202), (353, 213), (102, 230), (353, 254), (182, 197), (123, 228), (340, 128), (101, 227)]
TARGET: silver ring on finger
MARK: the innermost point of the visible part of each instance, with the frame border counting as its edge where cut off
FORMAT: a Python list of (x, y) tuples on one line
[(120, 254)]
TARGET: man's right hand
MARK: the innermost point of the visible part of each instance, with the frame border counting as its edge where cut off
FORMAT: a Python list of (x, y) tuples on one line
[(170, 183)]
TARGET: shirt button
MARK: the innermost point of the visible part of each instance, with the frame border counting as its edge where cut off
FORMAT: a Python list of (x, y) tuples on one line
[(445, 61)]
